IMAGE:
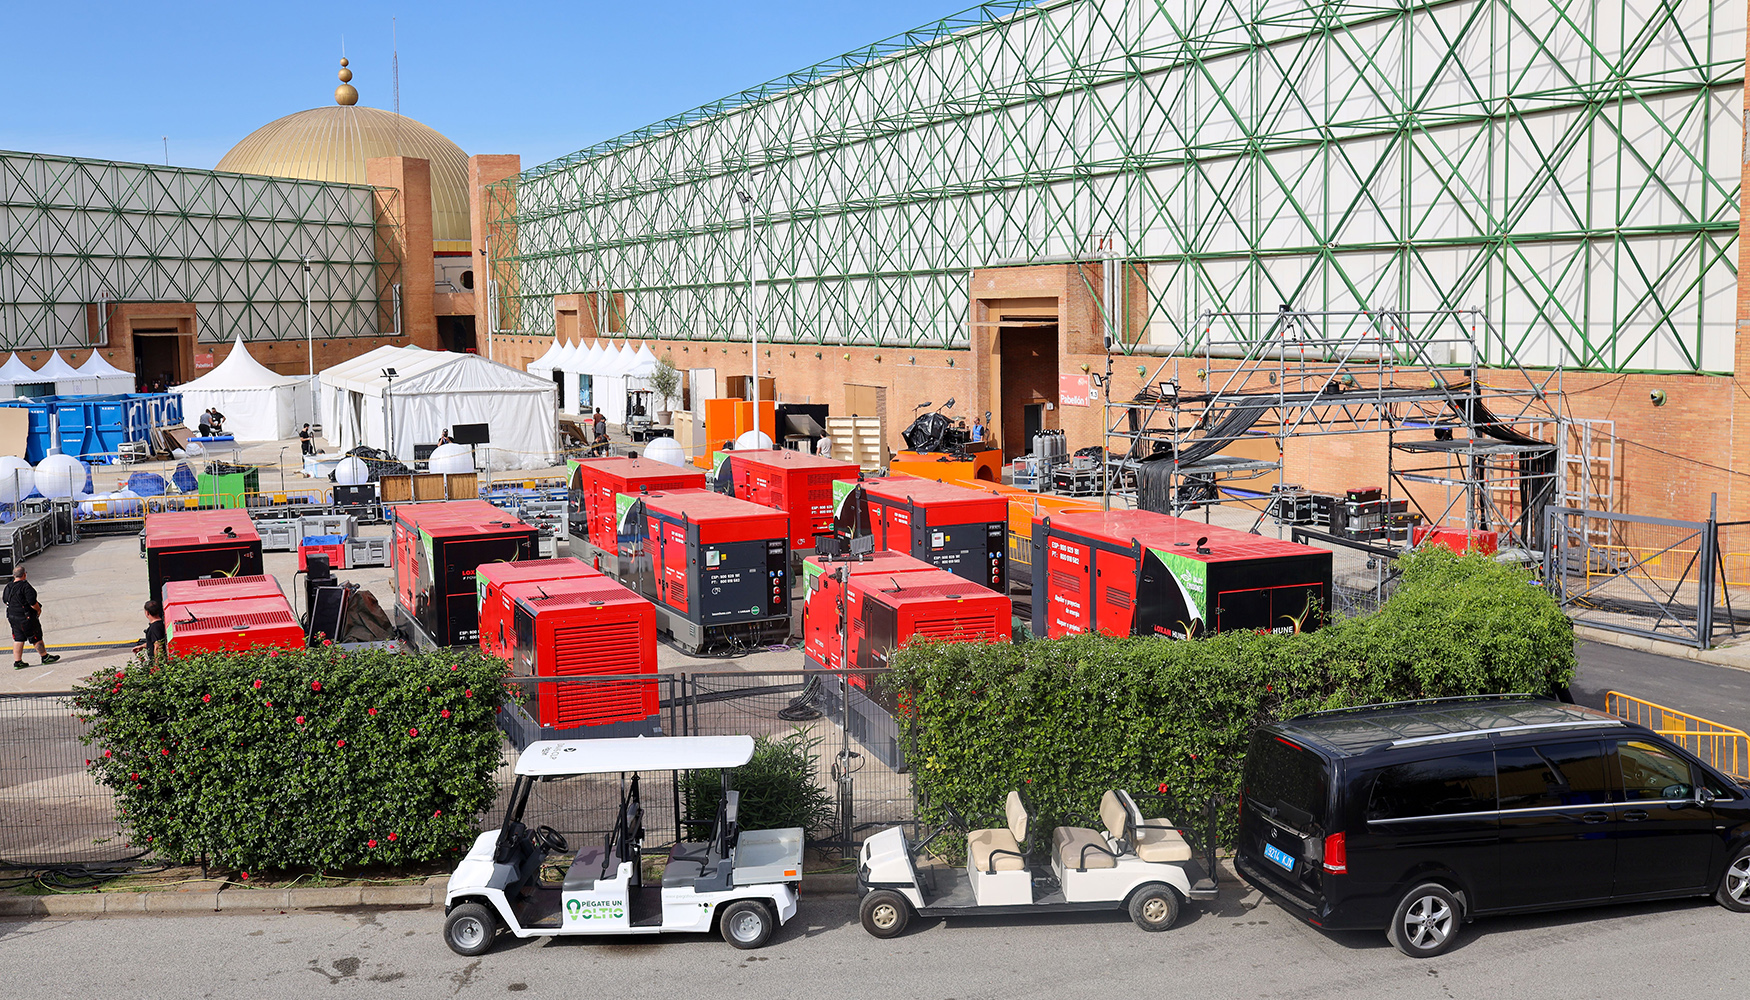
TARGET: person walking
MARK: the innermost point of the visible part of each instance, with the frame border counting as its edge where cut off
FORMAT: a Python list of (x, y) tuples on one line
[(307, 441), (153, 644), (600, 423), (24, 614)]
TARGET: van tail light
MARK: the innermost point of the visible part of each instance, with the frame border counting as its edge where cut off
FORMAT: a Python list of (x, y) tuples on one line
[(1336, 855)]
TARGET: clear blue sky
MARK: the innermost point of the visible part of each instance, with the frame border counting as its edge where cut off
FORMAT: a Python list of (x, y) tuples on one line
[(542, 79)]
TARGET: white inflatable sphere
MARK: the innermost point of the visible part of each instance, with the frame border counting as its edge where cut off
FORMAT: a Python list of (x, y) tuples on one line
[(17, 479), (666, 450), (753, 441), (451, 459), (60, 477), (352, 472)]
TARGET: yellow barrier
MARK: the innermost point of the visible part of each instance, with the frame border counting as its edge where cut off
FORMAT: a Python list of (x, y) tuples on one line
[(1720, 745)]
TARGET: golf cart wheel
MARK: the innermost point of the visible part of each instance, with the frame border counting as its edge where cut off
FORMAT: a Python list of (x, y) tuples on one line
[(1426, 923), (746, 923), (885, 913), (1154, 907), (1734, 891), (470, 928)]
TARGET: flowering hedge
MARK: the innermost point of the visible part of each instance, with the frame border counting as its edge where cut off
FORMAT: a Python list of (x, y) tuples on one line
[(1066, 719), (278, 758)]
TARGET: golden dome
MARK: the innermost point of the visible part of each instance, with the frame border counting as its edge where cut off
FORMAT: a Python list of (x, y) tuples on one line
[(332, 144)]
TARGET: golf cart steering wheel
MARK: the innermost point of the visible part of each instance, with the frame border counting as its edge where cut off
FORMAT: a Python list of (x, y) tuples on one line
[(955, 819), (549, 839)]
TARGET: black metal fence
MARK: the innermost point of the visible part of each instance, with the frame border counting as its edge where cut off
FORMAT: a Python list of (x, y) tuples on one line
[(52, 812)]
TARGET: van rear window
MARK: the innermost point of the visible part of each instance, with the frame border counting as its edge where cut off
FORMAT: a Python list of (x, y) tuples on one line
[(1289, 783), (1441, 787)]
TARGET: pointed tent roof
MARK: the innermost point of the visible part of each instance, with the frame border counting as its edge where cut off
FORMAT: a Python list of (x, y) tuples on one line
[(16, 372), (240, 370), (643, 362), (618, 358), (549, 360), (572, 358), (96, 367), (56, 369)]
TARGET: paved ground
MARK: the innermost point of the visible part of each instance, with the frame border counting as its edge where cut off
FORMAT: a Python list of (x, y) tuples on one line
[(1715, 692), (1239, 948)]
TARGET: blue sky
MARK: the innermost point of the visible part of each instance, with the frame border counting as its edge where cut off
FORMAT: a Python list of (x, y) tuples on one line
[(106, 80)]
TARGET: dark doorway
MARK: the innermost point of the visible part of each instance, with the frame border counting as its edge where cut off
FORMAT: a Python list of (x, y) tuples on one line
[(158, 355), (1029, 379), (456, 333)]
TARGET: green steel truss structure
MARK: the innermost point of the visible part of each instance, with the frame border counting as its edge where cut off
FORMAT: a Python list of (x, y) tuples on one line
[(1569, 167), (78, 232)]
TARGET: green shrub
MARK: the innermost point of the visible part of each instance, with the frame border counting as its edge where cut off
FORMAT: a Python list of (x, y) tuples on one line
[(1066, 719), (279, 758), (778, 787)]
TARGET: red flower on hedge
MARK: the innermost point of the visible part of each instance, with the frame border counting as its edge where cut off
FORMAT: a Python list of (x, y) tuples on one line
[(315, 685), (328, 642), (413, 732), (258, 684), (132, 777), (105, 753), (370, 711), (440, 812), (392, 838), (371, 844), (270, 704), (468, 694), (299, 720), (163, 752), (444, 714), (340, 743), (206, 698), (245, 876), (1163, 789), (272, 653)]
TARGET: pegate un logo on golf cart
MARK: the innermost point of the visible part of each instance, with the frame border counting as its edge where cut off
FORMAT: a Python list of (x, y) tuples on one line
[(595, 909)]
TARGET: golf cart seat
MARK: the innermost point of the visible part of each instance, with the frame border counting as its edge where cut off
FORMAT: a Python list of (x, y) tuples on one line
[(1000, 849), (585, 869), (1081, 848), (1152, 840)]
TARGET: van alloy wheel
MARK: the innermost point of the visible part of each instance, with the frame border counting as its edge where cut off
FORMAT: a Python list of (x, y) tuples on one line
[(1426, 922), (1734, 891)]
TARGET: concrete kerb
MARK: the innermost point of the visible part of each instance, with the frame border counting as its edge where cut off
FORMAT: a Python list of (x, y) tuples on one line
[(234, 898), (1736, 657)]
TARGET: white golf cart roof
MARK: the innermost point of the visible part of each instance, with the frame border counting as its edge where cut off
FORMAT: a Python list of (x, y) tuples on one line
[(548, 758)]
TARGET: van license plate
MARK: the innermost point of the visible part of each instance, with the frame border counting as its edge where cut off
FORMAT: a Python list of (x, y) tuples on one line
[(1279, 856)]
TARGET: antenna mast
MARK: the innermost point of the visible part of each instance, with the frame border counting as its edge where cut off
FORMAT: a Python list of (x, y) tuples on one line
[(395, 78)]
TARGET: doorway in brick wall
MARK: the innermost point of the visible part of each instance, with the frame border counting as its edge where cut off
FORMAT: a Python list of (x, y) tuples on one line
[(1028, 383)]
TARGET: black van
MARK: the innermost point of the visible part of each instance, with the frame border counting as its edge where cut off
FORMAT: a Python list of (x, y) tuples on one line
[(1419, 816)]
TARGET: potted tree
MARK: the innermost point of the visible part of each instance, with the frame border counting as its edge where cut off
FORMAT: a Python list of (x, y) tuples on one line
[(666, 383)]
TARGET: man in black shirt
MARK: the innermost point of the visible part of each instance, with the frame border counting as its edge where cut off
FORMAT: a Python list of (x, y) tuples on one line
[(24, 614), (307, 441), (153, 644)]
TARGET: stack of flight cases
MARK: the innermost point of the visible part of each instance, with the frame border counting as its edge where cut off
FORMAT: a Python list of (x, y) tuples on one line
[(562, 618), (963, 531), (885, 600), (436, 549), (1135, 572), (22, 537), (716, 568), (1365, 515), (196, 544)]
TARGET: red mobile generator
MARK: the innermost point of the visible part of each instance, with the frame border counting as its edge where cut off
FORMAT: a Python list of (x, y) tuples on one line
[(436, 548), (1134, 572), (598, 481), (821, 642), (237, 623), (491, 580), (197, 544), (716, 568), (577, 627), (794, 482), (224, 588), (965, 532)]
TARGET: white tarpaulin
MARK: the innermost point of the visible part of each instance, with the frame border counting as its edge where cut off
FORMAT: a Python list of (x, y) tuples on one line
[(259, 404), (431, 391), (97, 376)]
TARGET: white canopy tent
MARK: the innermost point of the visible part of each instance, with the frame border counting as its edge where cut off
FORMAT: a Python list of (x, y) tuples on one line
[(434, 390), (569, 364), (15, 373), (259, 404), (547, 366), (100, 377), (65, 377), (631, 370)]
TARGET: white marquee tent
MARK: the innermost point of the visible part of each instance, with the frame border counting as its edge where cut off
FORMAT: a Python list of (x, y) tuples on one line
[(547, 366), (15, 373), (434, 390), (259, 404), (629, 369), (570, 364), (99, 376)]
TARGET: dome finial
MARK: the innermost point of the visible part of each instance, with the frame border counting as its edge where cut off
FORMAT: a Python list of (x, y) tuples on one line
[(345, 95)]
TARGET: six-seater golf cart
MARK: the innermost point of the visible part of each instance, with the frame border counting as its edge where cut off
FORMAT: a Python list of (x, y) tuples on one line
[(1144, 866), (743, 882)]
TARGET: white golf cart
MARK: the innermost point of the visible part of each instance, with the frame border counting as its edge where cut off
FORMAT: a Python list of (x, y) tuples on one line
[(742, 882), (1144, 866)]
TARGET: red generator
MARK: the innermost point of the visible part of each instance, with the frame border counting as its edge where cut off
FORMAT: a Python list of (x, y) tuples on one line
[(716, 568), (198, 544), (1134, 572), (435, 550), (579, 627), (1459, 540), (963, 531), (795, 482), (224, 588), (821, 641), (599, 482), (237, 623), (497, 621)]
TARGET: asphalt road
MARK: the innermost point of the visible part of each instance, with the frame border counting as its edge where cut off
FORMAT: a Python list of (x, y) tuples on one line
[(1721, 694), (1238, 948)]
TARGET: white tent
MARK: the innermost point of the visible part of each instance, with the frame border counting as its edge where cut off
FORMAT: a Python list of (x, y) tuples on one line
[(259, 404), (99, 376), (66, 378), (15, 373), (434, 390), (548, 365), (569, 363)]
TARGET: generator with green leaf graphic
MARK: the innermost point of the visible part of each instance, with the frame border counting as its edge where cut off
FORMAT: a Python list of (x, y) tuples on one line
[(1134, 572)]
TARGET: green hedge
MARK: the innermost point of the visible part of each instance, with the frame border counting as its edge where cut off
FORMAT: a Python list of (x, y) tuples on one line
[(777, 788), (281, 759), (1066, 719)]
